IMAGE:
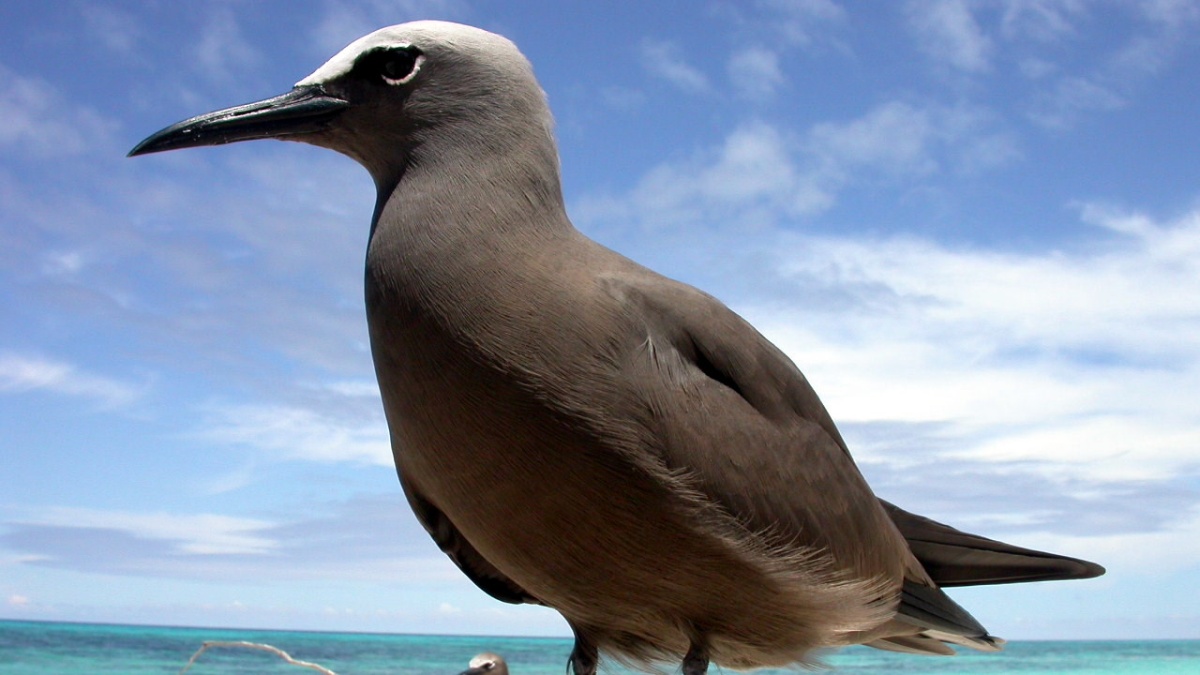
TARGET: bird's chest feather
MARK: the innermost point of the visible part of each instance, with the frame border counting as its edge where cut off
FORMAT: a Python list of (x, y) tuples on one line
[(485, 439)]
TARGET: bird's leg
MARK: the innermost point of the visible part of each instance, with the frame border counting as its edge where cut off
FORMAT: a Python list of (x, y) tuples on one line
[(584, 656), (696, 660)]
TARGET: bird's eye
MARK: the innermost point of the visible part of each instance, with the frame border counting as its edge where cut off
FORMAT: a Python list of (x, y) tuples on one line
[(396, 66)]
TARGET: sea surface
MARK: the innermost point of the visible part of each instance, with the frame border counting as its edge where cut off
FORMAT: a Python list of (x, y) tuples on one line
[(37, 648)]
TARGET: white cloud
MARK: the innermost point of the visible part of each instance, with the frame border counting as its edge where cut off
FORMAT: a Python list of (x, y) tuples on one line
[(1100, 80), (1071, 361), (1169, 25), (343, 22), (788, 22), (229, 267), (293, 432), (62, 263), (664, 60), (893, 137), (813, 10), (907, 141), (24, 373), (1081, 299), (354, 388), (40, 121), (195, 534), (755, 72), (228, 481), (1060, 107), (760, 173), (1036, 68), (1171, 549), (753, 171), (622, 99), (947, 31), (1041, 20), (116, 29), (368, 538), (1175, 14), (223, 51)]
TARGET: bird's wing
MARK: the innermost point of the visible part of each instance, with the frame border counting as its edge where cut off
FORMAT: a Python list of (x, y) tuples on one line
[(485, 575), (737, 415), (956, 558), (731, 411)]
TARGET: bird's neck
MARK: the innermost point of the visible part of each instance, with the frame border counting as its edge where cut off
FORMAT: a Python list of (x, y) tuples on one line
[(465, 220), (466, 265)]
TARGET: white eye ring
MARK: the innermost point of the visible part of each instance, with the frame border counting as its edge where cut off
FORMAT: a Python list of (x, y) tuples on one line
[(394, 70)]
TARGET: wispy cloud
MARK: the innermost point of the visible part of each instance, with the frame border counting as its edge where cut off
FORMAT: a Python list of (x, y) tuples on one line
[(1071, 97), (343, 22), (1039, 34), (116, 29), (893, 137), (1066, 343), (1168, 25), (368, 537), (753, 171), (17, 601), (223, 51), (761, 172), (227, 266), (947, 31), (297, 433), (1160, 551), (755, 72), (190, 534), (766, 33), (783, 23), (27, 373), (665, 60), (1041, 20), (40, 122)]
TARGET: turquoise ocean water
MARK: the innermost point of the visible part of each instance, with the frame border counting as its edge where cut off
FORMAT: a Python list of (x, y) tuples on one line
[(29, 648)]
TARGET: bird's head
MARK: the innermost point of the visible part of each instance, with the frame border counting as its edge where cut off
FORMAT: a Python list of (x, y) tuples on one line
[(388, 95)]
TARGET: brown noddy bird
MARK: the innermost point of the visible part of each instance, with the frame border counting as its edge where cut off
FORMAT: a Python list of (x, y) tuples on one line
[(577, 431)]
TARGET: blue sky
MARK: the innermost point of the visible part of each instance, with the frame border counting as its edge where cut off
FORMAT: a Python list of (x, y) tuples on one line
[(974, 225)]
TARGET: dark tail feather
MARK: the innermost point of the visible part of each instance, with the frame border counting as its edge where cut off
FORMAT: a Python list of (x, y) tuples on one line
[(956, 558), (942, 618), (913, 644), (927, 621)]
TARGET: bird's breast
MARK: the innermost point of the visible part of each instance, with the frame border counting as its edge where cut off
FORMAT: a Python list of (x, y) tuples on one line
[(513, 470)]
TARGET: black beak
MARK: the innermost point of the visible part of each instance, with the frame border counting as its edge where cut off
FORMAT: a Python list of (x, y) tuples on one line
[(473, 671), (302, 110)]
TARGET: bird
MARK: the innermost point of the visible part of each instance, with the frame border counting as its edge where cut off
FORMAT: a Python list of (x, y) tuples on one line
[(577, 431), (486, 663)]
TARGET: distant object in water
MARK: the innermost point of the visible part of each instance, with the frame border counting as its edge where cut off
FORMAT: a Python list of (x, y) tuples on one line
[(486, 663), (244, 644)]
